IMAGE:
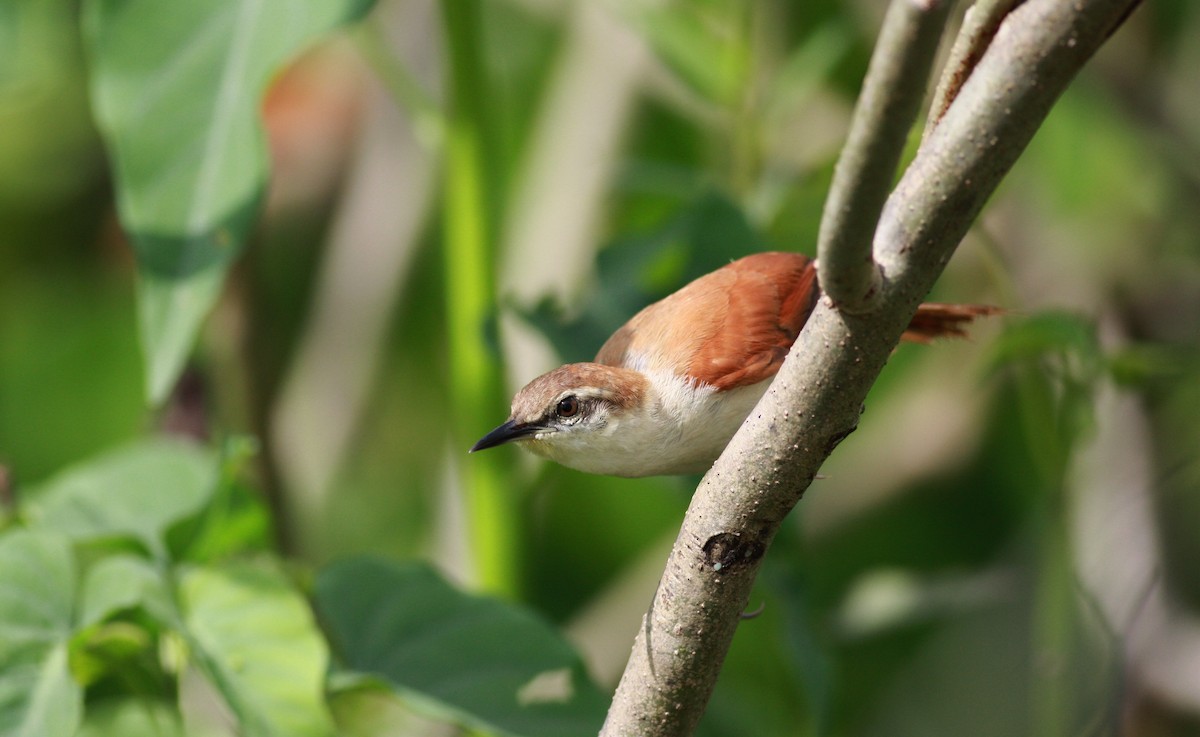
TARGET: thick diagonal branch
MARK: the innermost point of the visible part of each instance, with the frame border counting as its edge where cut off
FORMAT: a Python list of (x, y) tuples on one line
[(816, 398)]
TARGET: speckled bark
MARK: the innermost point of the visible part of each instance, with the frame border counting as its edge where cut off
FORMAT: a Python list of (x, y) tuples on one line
[(887, 106), (816, 399)]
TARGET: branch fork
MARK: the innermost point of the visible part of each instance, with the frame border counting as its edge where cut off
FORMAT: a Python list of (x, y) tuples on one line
[(875, 276)]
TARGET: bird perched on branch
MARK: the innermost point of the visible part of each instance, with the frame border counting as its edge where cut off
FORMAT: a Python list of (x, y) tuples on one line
[(669, 389)]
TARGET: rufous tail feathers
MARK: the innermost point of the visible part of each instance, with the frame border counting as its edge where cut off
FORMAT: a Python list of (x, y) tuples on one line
[(935, 320)]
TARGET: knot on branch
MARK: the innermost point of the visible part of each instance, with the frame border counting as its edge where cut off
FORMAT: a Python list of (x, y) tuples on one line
[(729, 550)]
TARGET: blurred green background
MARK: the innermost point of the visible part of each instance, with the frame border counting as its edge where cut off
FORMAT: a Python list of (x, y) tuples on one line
[(1006, 546)]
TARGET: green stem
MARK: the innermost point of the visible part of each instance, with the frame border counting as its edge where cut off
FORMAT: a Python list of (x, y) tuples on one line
[(470, 218), (1053, 594), (1053, 619)]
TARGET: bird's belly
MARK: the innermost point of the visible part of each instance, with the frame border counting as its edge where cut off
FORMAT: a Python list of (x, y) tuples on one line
[(688, 433)]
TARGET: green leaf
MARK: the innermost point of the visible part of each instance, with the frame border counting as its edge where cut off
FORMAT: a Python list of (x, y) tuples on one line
[(138, 491), (132, 718), (705, 44), (255, 639), (234, 521), (1051, 333), (38, 595), (38, 697), (176, 89), (702, 236), (480, 662), (122, 582)]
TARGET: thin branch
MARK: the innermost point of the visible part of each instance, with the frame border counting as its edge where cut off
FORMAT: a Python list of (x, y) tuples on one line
[(888, 105), (817, 397), (980, 24)]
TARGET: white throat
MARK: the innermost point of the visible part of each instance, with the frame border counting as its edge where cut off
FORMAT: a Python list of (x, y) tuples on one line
[(680, 428)]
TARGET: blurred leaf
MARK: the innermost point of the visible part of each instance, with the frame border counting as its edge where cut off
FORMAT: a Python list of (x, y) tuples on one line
[(1091, 164), (808, 66), (256, 640), (176, 88), (49, 150), (137, 491), (707, 233), (807, 653), (235, 519), (38, 594), (480, 662), (706, 44), (38, 697), (69, 352), (123, 582), (1046, 333), (1142, 364), (584, 530), (123, 650), (132, 718), (1056, 360)]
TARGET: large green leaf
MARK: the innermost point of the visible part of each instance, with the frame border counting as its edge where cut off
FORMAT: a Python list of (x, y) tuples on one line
[(38, 697), (256, 640), (481, 662), (176, 88), (138, 491)]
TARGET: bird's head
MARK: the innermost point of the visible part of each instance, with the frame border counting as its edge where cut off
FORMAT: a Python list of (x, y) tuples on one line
[(573, 415)]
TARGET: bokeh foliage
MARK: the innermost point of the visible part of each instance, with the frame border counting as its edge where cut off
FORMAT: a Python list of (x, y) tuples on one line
[(1003, 548)]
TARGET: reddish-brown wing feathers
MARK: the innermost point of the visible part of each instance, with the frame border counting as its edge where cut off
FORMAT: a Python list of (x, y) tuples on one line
[(734, 327), (934, 320), (730, 328)]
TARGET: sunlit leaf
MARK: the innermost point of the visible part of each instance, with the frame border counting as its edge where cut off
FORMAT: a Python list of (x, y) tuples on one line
[(257, 642), (138, 492), (123, 582), (38, 697), (176, 89), (132, 718), (477, 661)]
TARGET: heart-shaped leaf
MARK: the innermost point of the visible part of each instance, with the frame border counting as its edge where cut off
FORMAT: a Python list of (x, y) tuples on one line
[(257, 643), (38, 696), (176, 89), (477, 661)]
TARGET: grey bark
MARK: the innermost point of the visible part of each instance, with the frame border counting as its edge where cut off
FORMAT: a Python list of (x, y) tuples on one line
[(886, 109), (817, 397)]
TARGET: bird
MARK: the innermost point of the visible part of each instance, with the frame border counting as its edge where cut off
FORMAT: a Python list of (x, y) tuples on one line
[(668, 390)]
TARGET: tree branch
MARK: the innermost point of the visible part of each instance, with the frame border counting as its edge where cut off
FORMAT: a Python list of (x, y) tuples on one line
[(888, 104), (816, 398), (980, 24)]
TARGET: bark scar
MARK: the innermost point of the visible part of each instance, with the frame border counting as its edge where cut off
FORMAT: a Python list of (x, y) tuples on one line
[(728, 550)]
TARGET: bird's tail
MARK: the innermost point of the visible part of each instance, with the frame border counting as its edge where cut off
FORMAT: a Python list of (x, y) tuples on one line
[(935, 320)]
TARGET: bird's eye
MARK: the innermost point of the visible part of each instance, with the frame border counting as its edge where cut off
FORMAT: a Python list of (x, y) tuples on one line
[(568, 406)]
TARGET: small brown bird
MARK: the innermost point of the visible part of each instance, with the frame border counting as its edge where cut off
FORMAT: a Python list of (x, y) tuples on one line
[(670, 388)]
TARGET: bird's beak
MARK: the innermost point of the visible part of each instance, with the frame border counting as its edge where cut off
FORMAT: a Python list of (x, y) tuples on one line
[(506, 433)]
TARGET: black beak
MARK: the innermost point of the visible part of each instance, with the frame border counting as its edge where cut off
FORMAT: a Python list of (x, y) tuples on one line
[(506, 433)]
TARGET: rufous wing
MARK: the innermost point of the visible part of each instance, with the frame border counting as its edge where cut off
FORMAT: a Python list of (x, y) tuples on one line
[(734, 327), (936, 320), (730, 328)]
